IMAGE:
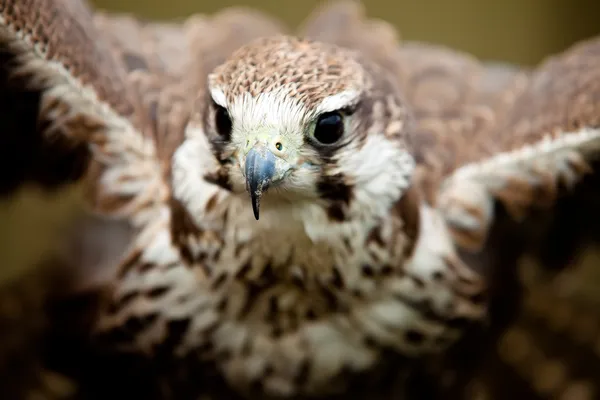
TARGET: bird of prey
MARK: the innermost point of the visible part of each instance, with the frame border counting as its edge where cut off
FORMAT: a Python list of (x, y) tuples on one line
[(322, 213)]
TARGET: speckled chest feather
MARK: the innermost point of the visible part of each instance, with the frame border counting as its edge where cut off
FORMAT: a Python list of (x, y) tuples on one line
[(295, 301)]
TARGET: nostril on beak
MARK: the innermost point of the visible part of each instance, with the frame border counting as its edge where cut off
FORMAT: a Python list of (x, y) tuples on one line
[(277, 146)]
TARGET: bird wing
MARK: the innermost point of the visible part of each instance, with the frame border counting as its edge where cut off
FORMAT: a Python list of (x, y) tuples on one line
[(86, 98), (67, 99), (536, 149)]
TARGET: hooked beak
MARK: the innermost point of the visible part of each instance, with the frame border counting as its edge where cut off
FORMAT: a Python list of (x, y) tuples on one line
[(260, 170)]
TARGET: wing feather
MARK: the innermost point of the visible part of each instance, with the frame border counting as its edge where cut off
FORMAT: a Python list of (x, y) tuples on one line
[(160, 47), (455, 99), (86, 98), (543, 143), (57, 45)]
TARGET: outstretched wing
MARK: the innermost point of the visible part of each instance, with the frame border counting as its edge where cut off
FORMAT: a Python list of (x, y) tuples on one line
[(63, 97), (544, 144), (86, 97), (79, 99)]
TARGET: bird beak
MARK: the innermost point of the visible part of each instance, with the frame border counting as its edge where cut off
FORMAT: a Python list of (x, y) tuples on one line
[(260, 170)]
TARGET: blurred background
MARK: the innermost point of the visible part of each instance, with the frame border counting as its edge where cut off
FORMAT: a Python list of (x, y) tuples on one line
[(516, 31), (519, 31)]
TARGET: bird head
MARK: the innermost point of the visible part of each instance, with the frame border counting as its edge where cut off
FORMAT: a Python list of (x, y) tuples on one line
[(299, 120)]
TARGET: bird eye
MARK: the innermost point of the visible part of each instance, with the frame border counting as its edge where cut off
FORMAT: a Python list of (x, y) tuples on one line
[(223, 121), (329, 128)]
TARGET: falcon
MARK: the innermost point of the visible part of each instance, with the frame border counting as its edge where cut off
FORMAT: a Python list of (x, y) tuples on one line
[(316, 213)]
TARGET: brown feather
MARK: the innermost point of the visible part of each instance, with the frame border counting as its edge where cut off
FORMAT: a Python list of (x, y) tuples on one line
[(65, 33), (148, 46)]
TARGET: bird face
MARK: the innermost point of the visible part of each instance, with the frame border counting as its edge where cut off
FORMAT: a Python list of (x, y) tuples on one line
[(289, 117)]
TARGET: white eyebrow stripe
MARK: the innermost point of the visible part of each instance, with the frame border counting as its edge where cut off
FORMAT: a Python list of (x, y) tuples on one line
[(218, 96), (338, 101)]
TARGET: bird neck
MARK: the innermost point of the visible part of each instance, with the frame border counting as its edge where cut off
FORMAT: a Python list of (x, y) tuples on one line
[(305, 233)]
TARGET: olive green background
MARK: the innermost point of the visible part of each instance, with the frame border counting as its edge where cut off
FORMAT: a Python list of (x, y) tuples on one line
[(517, 31), (521, 31)]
